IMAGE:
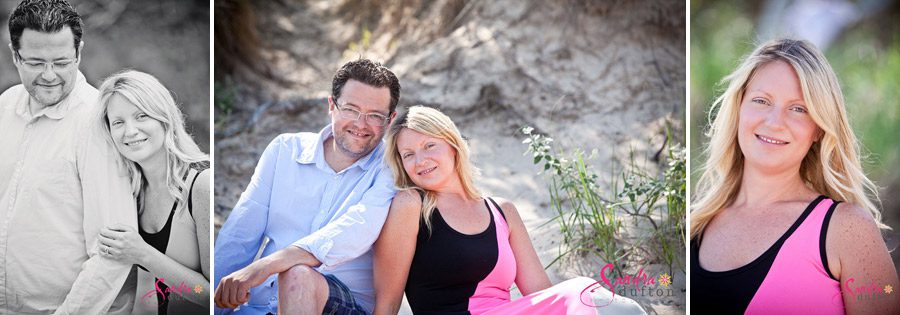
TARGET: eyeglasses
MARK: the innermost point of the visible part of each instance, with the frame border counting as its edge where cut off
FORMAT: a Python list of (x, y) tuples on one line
[(373, 119), (41, 66)]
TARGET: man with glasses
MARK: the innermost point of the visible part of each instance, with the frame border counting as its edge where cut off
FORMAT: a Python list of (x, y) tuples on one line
[(59, 183), (321, 199)]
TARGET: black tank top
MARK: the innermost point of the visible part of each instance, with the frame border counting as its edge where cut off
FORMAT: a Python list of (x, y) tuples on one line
[(448, 265)]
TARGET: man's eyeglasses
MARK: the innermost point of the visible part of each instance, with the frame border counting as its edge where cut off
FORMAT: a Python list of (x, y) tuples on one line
[(373, 119), (40, 65)]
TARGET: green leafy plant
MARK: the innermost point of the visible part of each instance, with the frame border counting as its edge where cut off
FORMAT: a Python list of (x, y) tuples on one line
[(658, 200), (593, 222), (225, 98)]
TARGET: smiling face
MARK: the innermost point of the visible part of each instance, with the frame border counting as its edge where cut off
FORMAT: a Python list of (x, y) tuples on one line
[(775, 129), (356, 138), (137, 136), (50, 85), (428, 161)]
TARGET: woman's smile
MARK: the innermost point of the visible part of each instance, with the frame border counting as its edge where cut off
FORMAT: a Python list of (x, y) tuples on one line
[(426, 171), (137, 142), (771, 140)]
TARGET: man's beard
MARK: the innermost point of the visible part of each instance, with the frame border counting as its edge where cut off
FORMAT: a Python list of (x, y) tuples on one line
[(345, 145)]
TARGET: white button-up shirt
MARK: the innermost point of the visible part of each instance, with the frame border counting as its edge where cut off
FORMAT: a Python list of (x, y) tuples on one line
[(59, 185), (296, 199)]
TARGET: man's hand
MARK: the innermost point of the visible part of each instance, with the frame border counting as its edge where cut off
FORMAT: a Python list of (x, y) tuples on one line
[(234, 289)]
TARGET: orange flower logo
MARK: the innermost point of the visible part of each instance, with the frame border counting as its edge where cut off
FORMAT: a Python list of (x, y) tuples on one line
[(665, 280)]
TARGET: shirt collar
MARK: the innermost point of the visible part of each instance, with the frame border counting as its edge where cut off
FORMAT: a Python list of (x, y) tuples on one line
[(317, 156), (57, 111)]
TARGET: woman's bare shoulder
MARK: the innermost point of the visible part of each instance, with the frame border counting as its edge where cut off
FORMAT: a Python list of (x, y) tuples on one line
[(504, 203), (407, 201), (509, 209), (854, 229), (200, 189), (852, 217)]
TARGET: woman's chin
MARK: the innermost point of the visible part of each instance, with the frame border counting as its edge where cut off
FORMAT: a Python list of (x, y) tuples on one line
[(129, 157), (426, 185), (772, 164), (136, 157)]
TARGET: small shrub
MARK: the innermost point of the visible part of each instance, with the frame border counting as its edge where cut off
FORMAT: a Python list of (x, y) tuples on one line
[(592, 222)]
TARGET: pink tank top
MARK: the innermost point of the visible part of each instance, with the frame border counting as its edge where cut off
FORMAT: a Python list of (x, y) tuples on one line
[(493, 291), (799, 281)]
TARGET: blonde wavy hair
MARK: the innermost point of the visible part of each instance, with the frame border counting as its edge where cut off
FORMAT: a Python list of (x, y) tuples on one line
[(832, 165), (151, 97), (433, 123)]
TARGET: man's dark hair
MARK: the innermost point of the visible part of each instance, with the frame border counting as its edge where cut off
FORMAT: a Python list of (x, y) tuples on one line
[(45, 16), (370, 73)]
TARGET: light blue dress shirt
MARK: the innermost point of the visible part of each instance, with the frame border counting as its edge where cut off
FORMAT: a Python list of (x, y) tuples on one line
[(296, 199)]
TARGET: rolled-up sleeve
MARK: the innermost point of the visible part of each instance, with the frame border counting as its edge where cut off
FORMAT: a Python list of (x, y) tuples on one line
[(242, 234), (108, 200), (353, 232)]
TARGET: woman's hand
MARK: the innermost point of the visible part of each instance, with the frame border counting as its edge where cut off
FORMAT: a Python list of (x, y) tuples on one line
[(123, 243)]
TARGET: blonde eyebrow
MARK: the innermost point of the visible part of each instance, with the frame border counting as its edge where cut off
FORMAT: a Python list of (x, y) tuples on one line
[(766, 94)]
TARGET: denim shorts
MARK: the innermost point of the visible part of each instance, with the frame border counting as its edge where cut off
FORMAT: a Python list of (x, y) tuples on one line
[(340, 300)]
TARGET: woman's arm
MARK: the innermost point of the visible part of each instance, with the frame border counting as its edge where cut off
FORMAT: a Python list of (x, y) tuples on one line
[(857, 255), (530, 275), (200, 199), (127, 245), (394, 251)]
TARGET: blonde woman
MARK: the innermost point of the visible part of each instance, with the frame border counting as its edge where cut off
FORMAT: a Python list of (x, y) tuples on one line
[(449, 248), (784, 219), (170, 184)]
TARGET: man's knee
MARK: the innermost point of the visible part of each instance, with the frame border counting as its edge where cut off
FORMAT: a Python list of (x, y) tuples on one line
[(300, 276), (300, 285)]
